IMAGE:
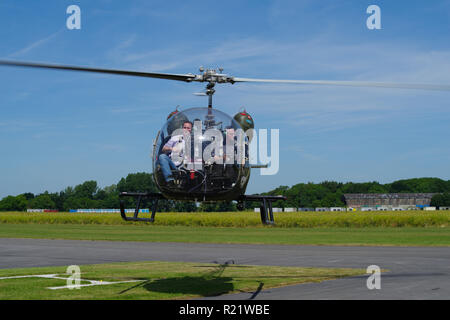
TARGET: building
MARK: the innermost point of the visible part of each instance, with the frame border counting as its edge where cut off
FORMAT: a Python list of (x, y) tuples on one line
[(388, 200)]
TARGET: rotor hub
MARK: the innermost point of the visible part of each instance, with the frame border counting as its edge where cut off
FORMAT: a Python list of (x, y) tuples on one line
[(212, 76)]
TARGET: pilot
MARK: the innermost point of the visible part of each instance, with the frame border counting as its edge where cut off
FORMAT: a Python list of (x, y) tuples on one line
[(174, 145), (229, 152)]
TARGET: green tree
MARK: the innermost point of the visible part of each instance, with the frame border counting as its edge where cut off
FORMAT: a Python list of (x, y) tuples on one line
[(142, 182), (208, 206), (441, 200), (217, 206), (185, 206), (28, 196), (108, 197), (418, 185), (86, 190), (42, 201), (11, 203), (137, 182), (80, 203)]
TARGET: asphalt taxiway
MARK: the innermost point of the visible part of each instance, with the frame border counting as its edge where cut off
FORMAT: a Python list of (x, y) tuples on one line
[(413, 272)]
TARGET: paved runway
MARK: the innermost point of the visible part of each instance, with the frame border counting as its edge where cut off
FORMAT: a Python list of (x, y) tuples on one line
[(414, 272)]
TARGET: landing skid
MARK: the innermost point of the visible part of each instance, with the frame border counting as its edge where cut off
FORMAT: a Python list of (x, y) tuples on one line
[(140, 196), (265, 208)]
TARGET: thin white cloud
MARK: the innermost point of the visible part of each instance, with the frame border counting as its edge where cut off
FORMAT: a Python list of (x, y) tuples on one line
[(35, 45), (314, 109), (181, 55), (21, 125), (319, 58)]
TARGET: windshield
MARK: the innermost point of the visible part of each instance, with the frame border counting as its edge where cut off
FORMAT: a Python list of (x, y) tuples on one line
[(199, 150)]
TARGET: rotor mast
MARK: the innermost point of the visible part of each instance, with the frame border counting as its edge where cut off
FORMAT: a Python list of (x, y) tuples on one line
[(212, 77), (209, 92)]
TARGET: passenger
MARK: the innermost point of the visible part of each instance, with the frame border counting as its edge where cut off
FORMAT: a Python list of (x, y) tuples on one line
[(229, 155), (232, 148), (174, 145), (219, 155), (230, 170)]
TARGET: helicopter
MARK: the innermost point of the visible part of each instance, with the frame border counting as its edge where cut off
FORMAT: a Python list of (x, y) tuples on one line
[(180, 169)]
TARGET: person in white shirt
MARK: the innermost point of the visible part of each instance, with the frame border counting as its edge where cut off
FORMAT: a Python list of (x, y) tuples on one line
[(174, 146)]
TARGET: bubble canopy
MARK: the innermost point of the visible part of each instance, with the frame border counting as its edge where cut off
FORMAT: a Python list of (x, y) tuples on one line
[(201, 153)]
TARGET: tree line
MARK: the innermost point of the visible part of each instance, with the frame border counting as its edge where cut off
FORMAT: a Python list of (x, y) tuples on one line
[(331, 194), (89, 195)]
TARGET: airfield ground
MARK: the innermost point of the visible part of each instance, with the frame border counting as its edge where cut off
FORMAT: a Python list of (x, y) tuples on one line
[(415, 228), (158, 280), (372, 229), (369, 236)]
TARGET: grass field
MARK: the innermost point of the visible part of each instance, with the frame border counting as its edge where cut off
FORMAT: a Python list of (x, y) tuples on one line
[(405, 236), (373, 228), (247, 219), (172, 280), (158, 280)]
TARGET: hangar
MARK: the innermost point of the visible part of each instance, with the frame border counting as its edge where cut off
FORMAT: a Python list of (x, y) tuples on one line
[(388, 200)]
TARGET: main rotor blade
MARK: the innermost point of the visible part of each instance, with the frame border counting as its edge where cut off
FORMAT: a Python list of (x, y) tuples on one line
[(179, 77), (352, 84)]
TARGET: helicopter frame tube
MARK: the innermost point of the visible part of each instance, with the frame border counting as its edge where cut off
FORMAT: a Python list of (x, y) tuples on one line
[(265, 208), (140, 196)]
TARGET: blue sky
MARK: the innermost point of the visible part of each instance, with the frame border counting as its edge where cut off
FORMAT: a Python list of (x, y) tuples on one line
[(60, 129)]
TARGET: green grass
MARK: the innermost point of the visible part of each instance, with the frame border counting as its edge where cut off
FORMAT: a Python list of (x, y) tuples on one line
[(161, 280), (409, 228), (405, 236), (247, 219), (164, 280)]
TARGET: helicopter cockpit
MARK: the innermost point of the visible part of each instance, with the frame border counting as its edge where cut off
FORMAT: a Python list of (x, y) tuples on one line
[(203, 152)]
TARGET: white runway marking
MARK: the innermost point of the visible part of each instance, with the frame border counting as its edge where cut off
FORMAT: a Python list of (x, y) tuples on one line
[(55, 276)]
